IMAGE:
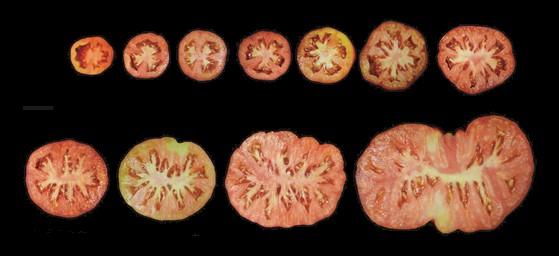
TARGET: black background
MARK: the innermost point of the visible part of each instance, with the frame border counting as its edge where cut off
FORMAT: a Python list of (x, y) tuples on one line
[(112, 112)]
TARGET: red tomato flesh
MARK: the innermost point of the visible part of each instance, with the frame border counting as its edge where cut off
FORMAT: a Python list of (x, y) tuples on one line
[(265, 55), (476, 59)]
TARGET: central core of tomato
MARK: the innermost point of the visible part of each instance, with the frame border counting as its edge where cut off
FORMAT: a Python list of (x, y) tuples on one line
[(395, 58), (325, 53), (88, 54), (72, 178), (481, 59), (204, 54), (147, 55), (459, 178), (156, 179), (282, 182), (268, 55), (476, 58)]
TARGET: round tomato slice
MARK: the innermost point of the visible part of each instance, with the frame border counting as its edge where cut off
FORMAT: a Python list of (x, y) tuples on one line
[(265, 55), (146, 56), (66, 178), (394, 57), (476, 59), (91, 55), (325, 55), (202, 55), (166, 180), (276, 179), (469, 181)]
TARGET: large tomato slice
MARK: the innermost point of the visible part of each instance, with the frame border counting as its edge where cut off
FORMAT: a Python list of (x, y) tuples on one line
[(146, 56), (202, 55), (66, 178), (476, 59), (91, 55), (469, 181), (166, 180), (265, 55), (325, 55), (394, 57), (279, 180)]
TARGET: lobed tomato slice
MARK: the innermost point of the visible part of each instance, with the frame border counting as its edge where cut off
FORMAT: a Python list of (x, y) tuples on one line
[(202, 55), (469, 181), (166, 180), (276, 179), (66, 178), (325, 55), (91, 55), (146, 56), (265, 55), (476, 59), (394, 57)]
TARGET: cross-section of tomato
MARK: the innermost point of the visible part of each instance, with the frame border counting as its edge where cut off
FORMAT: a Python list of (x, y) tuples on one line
[(265, 55), (202, 55), (276, 179), (476, 59), (469, 181), (325, 55), (91, 55), (166, 180), (66, 178), (146, 56), (394, 57)]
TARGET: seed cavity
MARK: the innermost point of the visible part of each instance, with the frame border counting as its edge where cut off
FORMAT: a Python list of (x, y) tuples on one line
[(403, 194), (484, 198), (510, 184), (432, 180)]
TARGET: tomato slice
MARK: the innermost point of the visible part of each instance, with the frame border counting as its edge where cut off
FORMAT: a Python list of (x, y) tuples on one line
[(394, 57), (476, 59), (325, 55), (146, 56), (276, 179), (265, 55), (91, 55), (202, 55), (166, 180), (66, 178), (469, 181)]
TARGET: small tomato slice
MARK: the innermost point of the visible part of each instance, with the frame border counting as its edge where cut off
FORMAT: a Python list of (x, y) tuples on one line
[(166, 180), (91, 55), (470, 181), (202, 55), (66, 178), (146, 56), (476, 59), (394, 57), (265, 55), (276, 179), (325, 55)]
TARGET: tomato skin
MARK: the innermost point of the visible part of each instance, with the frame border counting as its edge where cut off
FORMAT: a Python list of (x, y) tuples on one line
[(475, 58), (413, 173), (46, 164), (379, 64), (265, 41), (164, 180), (201, 40), (91, 55), (338, 51), (146, 56), (277, 179)]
